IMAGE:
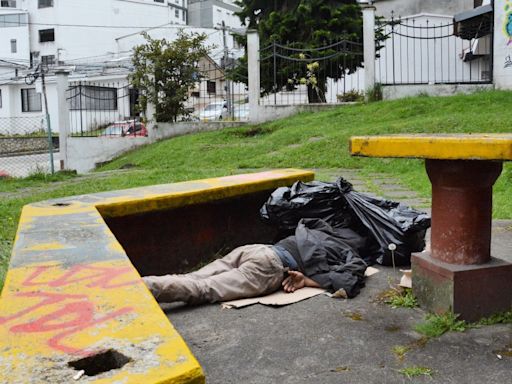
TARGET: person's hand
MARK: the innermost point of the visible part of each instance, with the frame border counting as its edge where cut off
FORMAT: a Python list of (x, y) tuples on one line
[(295, 280)]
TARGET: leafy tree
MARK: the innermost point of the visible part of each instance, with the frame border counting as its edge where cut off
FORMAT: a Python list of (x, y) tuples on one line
[(166, 70), (306, 25)]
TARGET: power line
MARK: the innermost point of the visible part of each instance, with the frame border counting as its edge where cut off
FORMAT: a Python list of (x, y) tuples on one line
[(18, 24)]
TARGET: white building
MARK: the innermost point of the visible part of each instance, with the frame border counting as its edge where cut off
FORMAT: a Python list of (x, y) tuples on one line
[(211, 13), (69, 33)]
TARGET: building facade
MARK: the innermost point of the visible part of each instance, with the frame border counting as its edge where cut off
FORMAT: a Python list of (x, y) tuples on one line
[(211, 13), (81, 35)]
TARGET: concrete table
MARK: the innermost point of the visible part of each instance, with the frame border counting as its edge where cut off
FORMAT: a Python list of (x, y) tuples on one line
[(458, 274)]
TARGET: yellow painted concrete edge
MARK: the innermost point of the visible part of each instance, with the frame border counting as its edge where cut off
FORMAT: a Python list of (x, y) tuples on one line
[(441, 147), (214, 189), (138, 201)]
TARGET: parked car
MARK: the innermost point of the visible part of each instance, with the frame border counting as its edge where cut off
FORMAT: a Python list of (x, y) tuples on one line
[(213, 111), (240, 112), (130, 128)]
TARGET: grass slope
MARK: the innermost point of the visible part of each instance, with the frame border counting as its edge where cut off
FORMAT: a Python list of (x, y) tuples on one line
[(308, 140)]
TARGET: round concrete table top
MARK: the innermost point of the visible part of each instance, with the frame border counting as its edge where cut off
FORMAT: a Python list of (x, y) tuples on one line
[(476, 146)]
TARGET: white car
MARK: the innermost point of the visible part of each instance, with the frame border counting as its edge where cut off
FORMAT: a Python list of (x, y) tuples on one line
[(240, 112), (213, 111)]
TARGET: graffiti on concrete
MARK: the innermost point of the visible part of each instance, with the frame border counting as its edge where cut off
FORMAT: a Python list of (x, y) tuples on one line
[(508, 62), (507, 25), (60, 315)]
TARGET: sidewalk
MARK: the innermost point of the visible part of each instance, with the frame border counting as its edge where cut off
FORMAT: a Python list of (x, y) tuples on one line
[(324, 340)]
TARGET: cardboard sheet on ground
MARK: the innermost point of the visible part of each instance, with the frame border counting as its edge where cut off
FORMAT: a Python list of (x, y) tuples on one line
[(281, 298), (278, 298)]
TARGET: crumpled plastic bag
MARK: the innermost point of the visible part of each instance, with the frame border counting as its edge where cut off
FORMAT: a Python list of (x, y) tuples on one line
[(379, 222), (315, 199)]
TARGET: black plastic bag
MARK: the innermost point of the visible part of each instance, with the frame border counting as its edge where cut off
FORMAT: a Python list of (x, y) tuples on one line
[(316, 199), (387, 222), (379, 222)]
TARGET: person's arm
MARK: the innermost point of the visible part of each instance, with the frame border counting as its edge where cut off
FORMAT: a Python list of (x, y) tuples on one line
[(297, 280)]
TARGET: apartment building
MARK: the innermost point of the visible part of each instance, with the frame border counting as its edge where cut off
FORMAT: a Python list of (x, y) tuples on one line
[(69, 33), (211, 13)]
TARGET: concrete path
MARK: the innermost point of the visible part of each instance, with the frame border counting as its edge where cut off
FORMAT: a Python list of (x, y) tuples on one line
[(324, 340), (23, 166)]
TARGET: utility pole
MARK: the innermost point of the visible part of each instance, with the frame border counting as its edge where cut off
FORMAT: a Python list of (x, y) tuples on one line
[(225, 66), (48, 122)]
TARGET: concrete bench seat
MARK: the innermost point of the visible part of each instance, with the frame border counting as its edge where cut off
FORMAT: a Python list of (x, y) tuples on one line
[(458, 274), (73, 299)]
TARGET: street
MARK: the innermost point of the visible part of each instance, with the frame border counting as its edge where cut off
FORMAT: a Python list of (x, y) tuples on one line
[(23, 166)]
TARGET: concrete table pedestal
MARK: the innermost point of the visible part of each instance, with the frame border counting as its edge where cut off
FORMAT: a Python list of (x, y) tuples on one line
[(458, 274)]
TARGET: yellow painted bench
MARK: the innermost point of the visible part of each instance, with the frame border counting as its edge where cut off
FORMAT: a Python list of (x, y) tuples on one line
[(73, 302), (459, 273)]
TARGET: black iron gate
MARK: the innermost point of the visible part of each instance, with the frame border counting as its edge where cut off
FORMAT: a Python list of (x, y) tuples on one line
[(424, 50), (104, 109), (294, 75)]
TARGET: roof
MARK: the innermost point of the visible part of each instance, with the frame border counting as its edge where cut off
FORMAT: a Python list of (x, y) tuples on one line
[(474, 23)]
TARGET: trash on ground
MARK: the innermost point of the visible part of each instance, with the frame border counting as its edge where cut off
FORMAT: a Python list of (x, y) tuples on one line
[(406, 280), (376, 222), (275, 299)]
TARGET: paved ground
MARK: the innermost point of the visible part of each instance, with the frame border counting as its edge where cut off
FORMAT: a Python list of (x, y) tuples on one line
[(23, 166), (324, 340)]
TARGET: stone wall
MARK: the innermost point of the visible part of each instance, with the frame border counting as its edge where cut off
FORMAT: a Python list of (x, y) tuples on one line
[(25, 145)]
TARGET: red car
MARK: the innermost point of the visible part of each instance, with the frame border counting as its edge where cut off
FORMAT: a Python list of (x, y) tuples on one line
[(130, 128)]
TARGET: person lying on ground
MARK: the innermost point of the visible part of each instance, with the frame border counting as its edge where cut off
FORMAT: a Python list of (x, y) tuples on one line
[(318, 255)]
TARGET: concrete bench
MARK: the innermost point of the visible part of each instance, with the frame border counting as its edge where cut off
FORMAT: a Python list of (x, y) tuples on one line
[(458, 274), (73, 299)]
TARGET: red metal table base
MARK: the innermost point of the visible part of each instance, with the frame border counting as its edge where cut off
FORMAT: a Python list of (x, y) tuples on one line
[(459, 273)]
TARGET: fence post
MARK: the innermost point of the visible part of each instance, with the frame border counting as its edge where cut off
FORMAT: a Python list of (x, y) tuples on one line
[(369, 46), (63, 116), (253, 69)]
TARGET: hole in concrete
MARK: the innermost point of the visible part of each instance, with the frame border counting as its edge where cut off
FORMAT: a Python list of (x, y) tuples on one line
[(100, 362), (61, 204)]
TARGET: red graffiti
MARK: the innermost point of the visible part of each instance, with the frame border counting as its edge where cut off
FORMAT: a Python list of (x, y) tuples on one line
[(100, 277), (71, 318), (48, 299), (74, 313)]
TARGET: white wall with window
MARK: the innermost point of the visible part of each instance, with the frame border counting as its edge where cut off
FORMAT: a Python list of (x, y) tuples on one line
[(14, 42), (78, 30), (211, 14)]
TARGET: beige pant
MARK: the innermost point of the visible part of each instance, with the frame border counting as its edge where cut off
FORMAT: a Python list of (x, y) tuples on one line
[(247, 271)]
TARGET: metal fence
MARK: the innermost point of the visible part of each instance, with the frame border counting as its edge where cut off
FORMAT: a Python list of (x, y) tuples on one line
[(424, 50), (294, 75), (216, 97), (103, 109), (25, 146)]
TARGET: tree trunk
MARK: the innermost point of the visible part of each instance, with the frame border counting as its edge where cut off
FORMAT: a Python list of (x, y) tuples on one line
[(316, 94)]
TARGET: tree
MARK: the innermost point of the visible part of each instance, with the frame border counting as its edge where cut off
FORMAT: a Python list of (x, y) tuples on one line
[(306, 25), (166, 70)]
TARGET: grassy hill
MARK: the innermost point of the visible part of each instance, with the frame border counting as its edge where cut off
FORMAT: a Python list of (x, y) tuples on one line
[(308, 140)]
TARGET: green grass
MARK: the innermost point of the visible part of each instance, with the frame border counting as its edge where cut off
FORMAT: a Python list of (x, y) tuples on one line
[(308, 140), (497, 318), (415, 371), (436, 325), (402, 299)]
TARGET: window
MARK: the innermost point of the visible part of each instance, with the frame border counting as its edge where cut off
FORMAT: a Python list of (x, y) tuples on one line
[(14, 47), (211, 87), (48, 60), (8, 3), (177, 13), (46, 35), (45, 3), (30, 100), (159, 1), (13, 20), (87, 97)]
